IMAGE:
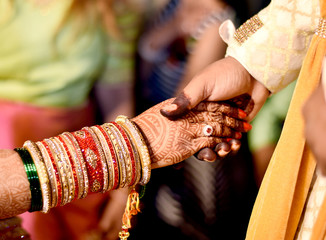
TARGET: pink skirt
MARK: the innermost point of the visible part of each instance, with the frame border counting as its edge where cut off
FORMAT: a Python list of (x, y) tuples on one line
[(20, 122)]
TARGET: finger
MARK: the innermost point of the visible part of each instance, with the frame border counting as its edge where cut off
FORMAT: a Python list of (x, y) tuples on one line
[(237, 125), (222, 149), (241, 101), (235, 145), (179, 107), (206, 154), (214, 129), (259, 96), (221, 107)]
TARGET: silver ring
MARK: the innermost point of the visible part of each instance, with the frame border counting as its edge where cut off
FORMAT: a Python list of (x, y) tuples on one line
[(208, 130)]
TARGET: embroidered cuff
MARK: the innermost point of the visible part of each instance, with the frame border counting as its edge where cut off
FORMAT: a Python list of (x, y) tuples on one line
[(272, 44)]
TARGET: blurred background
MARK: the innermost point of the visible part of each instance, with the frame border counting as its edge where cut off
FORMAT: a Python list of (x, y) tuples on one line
[(66, 64)]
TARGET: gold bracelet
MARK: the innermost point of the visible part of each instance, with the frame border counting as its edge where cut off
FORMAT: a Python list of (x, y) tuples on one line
[(140, 145), (61, 170), (42, 174), (78, 154), (51, 173), (68, 168), (125, 153), (133, 153), (119, 155), (108, 157), (77, 169)]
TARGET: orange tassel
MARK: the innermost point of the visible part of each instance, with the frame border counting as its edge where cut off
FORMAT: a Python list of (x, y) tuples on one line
[(132, 208)]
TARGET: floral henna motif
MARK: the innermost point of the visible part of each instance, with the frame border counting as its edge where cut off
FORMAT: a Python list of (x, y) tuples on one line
[(15, 197), (169, 141)]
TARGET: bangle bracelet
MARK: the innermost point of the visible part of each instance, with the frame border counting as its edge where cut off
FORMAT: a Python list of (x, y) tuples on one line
[(36, 195), (51, 172), (125, 154), (102, 158), (76, 166), (75, 149), (42, 174), (61, 166), (92, 158), (108, 157), (68, 168), (118, 152), (115, 178), (140, 145), (131, 153)]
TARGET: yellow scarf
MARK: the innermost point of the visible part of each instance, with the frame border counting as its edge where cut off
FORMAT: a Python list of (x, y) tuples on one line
[(284, 190)]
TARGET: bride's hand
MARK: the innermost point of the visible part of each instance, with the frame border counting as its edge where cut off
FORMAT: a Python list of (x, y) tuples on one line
[(172, 141)]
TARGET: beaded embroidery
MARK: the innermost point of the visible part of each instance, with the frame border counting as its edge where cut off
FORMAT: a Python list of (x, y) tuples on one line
[(247, 29), (321, 29)]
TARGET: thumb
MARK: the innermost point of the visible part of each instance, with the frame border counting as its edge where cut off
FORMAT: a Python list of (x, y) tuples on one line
[(179, 107), (221, 80), (194, 93)]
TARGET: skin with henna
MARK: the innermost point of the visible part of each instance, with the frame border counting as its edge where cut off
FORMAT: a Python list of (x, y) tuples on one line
[(172, 141), (169, 142), (225, 79), (232, 108)]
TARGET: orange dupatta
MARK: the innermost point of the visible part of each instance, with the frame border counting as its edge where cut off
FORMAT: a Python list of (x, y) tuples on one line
[(283, 193)]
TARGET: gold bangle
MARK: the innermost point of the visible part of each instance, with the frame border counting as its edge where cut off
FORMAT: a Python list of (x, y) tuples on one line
[(78, 154), (125, 153), (77, 169), (68, 168), (51, 173), (61, 166), (118, 153), (108, 157), (133, 153), (140, 145), (42, 174)]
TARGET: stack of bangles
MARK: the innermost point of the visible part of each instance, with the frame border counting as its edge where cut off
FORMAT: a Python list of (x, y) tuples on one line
[(94, 159)]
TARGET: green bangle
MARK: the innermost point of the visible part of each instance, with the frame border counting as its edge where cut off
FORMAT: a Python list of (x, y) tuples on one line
[(34, 182)]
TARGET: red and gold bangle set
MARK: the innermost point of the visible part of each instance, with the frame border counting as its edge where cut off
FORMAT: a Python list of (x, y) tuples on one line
[(94, 159)]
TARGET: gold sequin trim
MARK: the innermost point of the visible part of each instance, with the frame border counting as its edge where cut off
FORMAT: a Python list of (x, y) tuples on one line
[(321, 29), (247, 29)]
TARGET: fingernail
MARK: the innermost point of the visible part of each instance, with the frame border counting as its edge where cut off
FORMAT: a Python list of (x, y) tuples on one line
[(247, 126), (208, 160), (228, 139), (242, 114), (238, 135), (222, 153), (170, 107)]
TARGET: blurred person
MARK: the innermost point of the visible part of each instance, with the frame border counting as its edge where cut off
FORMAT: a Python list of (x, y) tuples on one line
[(264, 55), (52, 54), (199, 200)]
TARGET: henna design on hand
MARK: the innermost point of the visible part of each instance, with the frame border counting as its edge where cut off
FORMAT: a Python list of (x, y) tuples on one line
[(15, 196), (170, 142)]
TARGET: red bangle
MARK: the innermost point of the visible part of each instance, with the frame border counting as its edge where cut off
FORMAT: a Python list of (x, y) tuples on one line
[(80, 163), (92, 158)]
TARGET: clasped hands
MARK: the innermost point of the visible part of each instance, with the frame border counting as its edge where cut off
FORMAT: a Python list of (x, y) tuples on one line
[(210, 130)]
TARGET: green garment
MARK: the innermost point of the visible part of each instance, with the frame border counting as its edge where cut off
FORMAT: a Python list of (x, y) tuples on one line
[(268, 124), (47, 59)]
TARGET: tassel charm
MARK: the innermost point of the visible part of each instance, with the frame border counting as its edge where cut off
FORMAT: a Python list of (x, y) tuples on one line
[(132, 208)]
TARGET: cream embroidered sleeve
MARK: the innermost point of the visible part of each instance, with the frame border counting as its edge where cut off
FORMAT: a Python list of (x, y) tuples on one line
[(272, 44)]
